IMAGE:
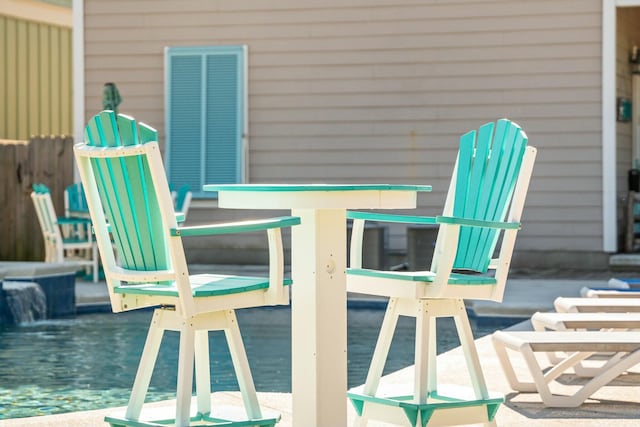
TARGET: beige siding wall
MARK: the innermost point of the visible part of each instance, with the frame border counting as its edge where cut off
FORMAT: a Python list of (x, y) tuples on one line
[(379, 90), (35, 78)]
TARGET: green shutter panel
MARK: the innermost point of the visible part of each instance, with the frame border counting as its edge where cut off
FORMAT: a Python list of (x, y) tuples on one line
[(223, 121), (184, 134), (205, 116)]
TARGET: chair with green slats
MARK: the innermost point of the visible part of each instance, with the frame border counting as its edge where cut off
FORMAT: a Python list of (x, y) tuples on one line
[(473, 250), (77, 247), (144, 262), (75, 203), (182, 200)]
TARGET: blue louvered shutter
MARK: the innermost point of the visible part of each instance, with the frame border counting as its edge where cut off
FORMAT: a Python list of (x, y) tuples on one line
[(205, 116)]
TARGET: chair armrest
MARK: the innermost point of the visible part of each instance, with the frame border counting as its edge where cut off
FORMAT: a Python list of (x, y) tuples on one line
[(478, 223), (276, 294), (236, 227), (409, 219)]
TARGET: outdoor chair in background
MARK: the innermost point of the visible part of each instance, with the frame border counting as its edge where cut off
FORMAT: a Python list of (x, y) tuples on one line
[(75, 207), (129, 200), (77, 246), (75, 202), (182, 200), (482, 211)]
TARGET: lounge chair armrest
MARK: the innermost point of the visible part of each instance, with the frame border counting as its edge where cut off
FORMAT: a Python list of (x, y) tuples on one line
[(236, 227), (478, 223), (409, 219)]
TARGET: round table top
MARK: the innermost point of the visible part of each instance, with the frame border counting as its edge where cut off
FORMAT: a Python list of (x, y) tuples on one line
[(315, 187), (317, 196)]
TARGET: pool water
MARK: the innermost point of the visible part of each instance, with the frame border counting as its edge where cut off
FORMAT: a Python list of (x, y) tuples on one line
[(89, 361)]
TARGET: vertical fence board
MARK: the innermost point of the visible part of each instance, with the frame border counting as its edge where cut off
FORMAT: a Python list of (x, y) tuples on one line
[(28, 238), (43, 159)]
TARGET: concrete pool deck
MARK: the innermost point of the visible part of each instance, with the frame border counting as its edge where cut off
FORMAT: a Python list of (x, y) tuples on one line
[(615, 405)]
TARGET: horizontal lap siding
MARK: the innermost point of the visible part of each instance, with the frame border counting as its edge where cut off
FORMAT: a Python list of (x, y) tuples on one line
[(380, 90)]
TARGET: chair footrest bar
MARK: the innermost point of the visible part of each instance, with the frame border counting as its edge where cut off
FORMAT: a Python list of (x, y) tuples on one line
[(419, 414), (198, 420)]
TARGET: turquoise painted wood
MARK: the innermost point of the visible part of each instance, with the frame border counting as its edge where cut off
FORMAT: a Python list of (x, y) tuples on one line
[(488, 167), (426, 277), (145, 266), (214, 285), (132, 210), (314, 187), (483, 207), (75, 200), (418, 415)]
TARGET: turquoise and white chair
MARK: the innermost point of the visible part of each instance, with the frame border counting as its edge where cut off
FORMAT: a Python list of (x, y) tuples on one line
[(77, 247), (75, 202), (129, 201), (481, 213), (182, 200)]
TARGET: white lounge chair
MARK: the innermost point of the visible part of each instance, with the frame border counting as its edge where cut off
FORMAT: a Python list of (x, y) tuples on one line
[(595, 305), (584, 321), (609, 293), (581, 345)]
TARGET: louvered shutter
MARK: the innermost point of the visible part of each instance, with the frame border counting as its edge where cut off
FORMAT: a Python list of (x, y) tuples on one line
[(205, 116)]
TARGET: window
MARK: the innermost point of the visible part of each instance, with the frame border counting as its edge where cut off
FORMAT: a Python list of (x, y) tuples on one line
[(205, 116)]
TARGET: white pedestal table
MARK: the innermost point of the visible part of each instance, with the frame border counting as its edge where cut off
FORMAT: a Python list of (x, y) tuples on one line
[(318, 269)]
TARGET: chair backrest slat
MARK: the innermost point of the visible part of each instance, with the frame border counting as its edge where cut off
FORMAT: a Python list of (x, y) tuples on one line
[(488, 166), (127, 193)]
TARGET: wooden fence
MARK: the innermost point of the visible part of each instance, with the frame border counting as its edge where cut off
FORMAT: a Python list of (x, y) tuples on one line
[(42, 159)]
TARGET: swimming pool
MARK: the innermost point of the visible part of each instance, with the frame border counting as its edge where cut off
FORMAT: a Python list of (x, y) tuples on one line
[(89, 361)]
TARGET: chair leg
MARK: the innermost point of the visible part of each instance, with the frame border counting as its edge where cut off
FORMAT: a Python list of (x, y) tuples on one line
[(145, 368), (382, 348), (203, 372), (379, 358), (185, 375), (94, 258), (469, 349), (241, 366), (425, 377)]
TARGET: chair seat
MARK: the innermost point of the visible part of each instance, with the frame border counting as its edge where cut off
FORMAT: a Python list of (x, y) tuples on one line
[(423, 276), (202, 285)]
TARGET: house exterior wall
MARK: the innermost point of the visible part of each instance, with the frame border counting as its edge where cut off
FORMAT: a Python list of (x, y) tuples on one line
[(380, 90), (35, 70)]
